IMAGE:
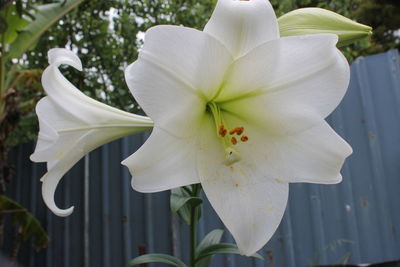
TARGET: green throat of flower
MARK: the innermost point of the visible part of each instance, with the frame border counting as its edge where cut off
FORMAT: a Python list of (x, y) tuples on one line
[(229, 137)]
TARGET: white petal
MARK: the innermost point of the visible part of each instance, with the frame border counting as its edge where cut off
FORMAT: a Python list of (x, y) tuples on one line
[(72, 124), (58, 56), (243, 25), (287, 85), (248, 201), (178, 69), (164, 99), (81, 107), (315, 155), (250, 195), (163, 162), (53, 176)]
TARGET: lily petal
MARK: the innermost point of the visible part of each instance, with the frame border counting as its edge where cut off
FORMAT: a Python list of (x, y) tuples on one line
[(315, 155), (291, 83), (177, 70), (249, 202), (243, 25), (250, 195), (163, 162), (72, 124)]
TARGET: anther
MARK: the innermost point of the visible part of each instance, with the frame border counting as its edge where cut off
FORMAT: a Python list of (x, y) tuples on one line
[(234, 140), (237, 130), (244, 138), (222, 131)]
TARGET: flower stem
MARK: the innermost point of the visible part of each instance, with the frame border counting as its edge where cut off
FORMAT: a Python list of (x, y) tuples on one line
[(194, 216), (193, 237)]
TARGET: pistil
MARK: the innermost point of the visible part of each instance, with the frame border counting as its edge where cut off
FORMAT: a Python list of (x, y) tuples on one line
[(228, 141)]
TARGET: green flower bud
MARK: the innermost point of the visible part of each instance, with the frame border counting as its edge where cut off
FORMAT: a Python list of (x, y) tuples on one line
[(317, 20)]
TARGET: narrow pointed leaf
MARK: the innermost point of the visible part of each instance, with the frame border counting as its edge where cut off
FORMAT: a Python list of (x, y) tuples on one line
[(213, 237), (178, 201), (45, 17), (182, 202), (160, 258), (30, 226), (222, 248)]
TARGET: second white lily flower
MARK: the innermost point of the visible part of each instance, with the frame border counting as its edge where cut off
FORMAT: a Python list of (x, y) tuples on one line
[(73, 124)]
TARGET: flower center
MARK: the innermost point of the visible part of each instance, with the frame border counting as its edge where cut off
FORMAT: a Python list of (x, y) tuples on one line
[(229, 138)]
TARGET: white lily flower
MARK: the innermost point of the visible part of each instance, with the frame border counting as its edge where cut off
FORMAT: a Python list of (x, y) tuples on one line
[(241, 111), (73, 124)]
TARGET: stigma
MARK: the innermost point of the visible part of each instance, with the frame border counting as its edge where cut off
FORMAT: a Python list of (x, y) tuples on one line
[(231, 156)]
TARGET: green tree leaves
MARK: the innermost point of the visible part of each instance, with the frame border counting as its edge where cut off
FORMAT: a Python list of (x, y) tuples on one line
[(28, 225), (44, 17)]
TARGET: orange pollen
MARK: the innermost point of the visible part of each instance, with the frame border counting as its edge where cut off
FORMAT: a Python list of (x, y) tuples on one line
[(244, 138), (222, 131), (237, 130), (234, 140)]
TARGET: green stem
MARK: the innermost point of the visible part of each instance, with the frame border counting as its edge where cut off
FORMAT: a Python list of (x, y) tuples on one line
[(2, 75), (2, 63), (193, 237), (194, 214)]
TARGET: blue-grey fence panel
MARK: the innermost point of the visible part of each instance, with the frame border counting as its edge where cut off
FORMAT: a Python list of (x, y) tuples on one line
[(357, 221)]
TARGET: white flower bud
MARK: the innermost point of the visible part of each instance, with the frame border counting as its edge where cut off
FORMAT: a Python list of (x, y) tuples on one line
[(317, 20)]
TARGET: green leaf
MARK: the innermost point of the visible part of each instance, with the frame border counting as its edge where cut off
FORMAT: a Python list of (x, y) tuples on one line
[(222, 248), (19, 8), (182, 202), (184, 213), (160, 258), (30, 226), (14, 23), (178, 200), (45, 16), (3, 25), (213, 237)]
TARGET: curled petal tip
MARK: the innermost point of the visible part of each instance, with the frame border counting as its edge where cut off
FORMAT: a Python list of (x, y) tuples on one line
[(63, 213), (49, 200), (49, 185), (58, 56)]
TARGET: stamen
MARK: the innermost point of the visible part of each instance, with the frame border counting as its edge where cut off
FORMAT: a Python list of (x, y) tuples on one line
[(234, 140), (237, 130), (231, 155), (244, 138), (222, 131)]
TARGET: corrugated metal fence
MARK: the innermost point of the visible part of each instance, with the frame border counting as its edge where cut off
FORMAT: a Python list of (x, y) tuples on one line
[(357, 221)]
